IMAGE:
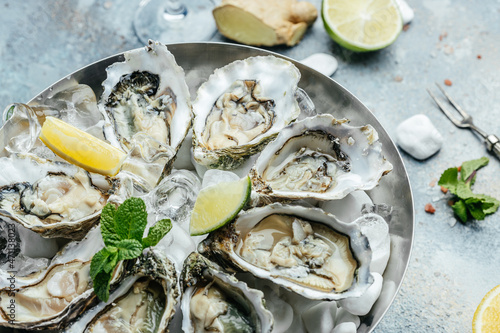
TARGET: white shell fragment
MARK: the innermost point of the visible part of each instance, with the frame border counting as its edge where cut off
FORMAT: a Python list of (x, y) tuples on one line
[(418, 137), (241, 107), (321, 158)]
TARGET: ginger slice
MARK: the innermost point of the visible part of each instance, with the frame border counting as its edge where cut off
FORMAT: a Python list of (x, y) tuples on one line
[(264, 22)]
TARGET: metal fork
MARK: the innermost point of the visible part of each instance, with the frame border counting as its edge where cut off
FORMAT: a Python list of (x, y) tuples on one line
[(491, 140)]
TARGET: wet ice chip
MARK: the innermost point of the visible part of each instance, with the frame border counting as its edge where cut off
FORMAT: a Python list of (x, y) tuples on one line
[(320, 317), (380, 256), (376, 229), (348, 208), (215, 176), (418, 137), (345, 328), (360, 306), (344, 316)]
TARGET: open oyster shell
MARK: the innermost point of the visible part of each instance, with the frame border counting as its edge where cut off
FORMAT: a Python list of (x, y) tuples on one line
[(50, 298), (46, 196), (147, 100), (216, 301), (322, 158), (302, 249), (241, 108)]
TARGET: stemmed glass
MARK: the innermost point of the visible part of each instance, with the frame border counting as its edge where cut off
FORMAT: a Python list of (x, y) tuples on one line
[(173, 21)]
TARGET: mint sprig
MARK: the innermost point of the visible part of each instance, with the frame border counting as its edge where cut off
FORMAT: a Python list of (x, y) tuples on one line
[(468, 204), (122, 231)]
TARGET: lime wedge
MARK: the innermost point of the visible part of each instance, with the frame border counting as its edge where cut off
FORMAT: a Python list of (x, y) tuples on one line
[(218, 204), (362, 25)]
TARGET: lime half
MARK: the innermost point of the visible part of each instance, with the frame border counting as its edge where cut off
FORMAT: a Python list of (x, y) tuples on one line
[(362, 25), (218, 204)]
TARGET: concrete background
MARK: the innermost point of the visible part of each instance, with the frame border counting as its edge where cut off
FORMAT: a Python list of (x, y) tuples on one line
[(453, 265)]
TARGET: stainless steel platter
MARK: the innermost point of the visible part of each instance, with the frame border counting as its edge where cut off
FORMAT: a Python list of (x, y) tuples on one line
[(200, 59)]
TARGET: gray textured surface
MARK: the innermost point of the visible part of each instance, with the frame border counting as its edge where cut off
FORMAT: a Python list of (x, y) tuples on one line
[(452, 267)]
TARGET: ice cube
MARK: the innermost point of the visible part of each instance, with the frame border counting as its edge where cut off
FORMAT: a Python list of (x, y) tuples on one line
[(346, 327), (320, 318), (348, 208), (176, 245), (215, 176), (344, 316), (418, 137), (360, 306), (376, 229)]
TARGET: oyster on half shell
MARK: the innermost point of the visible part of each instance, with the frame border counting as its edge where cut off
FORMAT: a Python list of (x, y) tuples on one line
[(147, 100), (321, 158), (54, 199), (302, 249), (144, 301), (214, 301), (241, 108)]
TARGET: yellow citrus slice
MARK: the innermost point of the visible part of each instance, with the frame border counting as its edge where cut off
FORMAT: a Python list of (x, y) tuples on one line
[(218, 204), (362, 25), (487, 316), (81, 148)]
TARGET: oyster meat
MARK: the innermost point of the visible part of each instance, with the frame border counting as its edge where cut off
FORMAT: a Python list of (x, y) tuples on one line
[(302, 249), (321, 158), (55, 199), (214, 301), (241, 108)]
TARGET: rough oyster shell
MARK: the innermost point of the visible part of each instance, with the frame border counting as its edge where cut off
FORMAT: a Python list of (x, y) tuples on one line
[(147, 100), (46, 196), (241, 108), (213, 288), (321, 158), (227, 244)]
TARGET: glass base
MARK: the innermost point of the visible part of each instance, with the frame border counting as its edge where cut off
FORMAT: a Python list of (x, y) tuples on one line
[(192, 21)]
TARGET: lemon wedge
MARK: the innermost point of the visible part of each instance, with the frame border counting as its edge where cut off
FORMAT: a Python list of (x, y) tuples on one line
[(487, 316), (362, 25), (81, 148), (218, 204)]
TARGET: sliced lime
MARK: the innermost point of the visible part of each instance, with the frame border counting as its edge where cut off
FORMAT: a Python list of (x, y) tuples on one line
[(218, 204), (362, 25)]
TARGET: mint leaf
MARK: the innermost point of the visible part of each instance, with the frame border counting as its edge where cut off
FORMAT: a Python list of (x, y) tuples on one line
[(108, 232), (469, 167), (490, 204), (98, 262), (129, 249), (474, 206), (463, 190), (449, 179), (101, 285), (157, 232), (460, 210), (111, 262), (131, 219)]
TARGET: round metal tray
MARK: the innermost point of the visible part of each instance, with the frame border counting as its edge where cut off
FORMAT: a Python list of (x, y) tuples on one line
[(199, 60)]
